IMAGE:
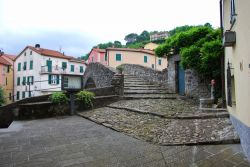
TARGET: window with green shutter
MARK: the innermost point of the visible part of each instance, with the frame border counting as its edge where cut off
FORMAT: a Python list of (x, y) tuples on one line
[(28, 80), (25, 65), (17, 95), (159, 61), (24, 80), (23, 94), (29, 93), (49, 79), (64, 65), (145, 59), (19, 66), (106, 57), (57, 79), (49, 64), (118, 57), (31, 65), (31, 80), (81, 69), (18, 81), (72, 68)]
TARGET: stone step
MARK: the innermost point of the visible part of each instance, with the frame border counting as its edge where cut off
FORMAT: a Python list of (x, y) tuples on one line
[(149, 96), (144, 92), (145, 88), (141, 83), (141, 86)]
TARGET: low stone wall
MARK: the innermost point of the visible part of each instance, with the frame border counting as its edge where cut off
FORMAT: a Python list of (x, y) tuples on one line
[(149, 74), (98, 75)]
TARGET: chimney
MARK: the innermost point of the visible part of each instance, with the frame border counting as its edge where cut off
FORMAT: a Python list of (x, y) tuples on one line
[(37, 46)]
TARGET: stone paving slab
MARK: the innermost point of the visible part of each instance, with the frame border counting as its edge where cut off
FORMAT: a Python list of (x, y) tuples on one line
[(74, 141), (168, 108), (165, 131)]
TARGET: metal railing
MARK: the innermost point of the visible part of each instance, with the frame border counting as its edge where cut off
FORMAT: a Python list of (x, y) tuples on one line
[(53, 69)]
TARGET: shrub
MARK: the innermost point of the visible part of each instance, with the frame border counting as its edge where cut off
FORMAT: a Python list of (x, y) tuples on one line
[(119, 69), (59, 99), (86, 98), (2, 99)]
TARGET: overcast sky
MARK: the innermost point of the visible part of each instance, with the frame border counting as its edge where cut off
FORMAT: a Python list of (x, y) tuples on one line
[(77, 25)]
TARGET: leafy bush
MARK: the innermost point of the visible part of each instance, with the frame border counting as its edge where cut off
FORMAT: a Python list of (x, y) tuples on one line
[(58, 98), (2, 99), (86, 98), (119, 69)]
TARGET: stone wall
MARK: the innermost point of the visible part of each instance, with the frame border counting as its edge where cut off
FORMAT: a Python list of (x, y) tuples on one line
[(98, 75), (194, 85), (149, 74)]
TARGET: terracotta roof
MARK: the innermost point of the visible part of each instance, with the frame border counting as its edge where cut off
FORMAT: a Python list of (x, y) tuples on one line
[(100, 50), (4, 62), (133, 50), (51, 53), (12, 57)]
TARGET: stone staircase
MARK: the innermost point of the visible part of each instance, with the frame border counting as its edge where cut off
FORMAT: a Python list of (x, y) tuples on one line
[(138, 88)]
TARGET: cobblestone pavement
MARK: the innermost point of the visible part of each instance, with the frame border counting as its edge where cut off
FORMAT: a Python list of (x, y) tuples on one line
[(169, 108), (165, 131), (74, 141)]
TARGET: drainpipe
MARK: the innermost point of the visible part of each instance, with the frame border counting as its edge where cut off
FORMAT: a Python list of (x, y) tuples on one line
[(222, 58)]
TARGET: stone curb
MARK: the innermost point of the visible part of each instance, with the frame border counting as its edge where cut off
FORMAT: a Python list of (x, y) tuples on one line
[(217, 115), (132, 98), (217, 142)]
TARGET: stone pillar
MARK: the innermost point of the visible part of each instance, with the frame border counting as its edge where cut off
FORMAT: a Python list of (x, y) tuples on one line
[(118, 84)]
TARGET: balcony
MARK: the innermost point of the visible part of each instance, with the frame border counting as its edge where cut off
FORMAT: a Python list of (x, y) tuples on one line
[(52, 70)]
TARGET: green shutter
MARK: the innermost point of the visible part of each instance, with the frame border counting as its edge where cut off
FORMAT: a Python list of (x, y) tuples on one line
[(19, 66), (17, 95), (29, 93), (28, 80), (145, 59), (23, 95), (118, 57), (49, 79), (24, 80), (81, 69), (64, 65), (72, 68), (32, 80), (24, 65), (49, 64), (57, 79), (31, 65), (18, 80)]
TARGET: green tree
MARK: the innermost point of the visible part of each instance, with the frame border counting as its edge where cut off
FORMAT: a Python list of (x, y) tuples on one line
[(117, 44), (130, 38), (144, 36)]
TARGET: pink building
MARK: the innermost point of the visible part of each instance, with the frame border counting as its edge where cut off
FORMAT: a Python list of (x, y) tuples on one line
[(97, 55)]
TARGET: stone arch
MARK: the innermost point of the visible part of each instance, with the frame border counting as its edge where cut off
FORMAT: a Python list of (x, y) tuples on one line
[(99, 75), (90, 83)]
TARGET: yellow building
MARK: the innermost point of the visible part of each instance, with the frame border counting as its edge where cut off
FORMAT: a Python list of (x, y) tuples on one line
[(151, 46), (147, 58), (6, 78), (236, 25)]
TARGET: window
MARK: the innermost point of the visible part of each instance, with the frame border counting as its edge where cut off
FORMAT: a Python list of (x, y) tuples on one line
[(72, 68), (81, 69), (64, 65), (159, 62), (49, 64), (8, 69), (30, 80), (24, 80), (24, 53), (29, 93), (92, 59), (24, 65), (118, 57), (233, 14), (30, 52), (17, 95), (19, 67), (153, 66), (23, 94), (18, 81), (6, 81), (54, 79), (10, 96), (145, 59), (31, 64)]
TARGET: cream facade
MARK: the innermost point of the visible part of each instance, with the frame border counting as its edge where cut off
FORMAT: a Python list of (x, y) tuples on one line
[(235, 20), (147, 58), (151, 46)]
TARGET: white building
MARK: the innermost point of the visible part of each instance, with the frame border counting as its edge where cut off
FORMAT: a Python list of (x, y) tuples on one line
[(38, 71)]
